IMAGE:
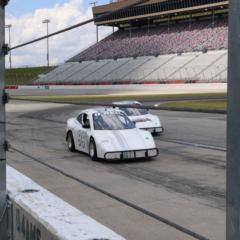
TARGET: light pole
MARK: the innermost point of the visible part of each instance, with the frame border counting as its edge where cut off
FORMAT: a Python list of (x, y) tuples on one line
[(94, 5), (47, 21), (9, 43)]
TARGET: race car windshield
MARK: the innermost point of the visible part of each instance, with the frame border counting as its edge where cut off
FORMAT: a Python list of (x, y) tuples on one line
[(111, 122), (134, 111)]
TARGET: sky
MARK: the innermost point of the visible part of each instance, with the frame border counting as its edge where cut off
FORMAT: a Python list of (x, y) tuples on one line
[(26, 20)]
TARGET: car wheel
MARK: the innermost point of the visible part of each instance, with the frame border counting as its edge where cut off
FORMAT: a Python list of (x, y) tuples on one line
[(93, 150), (162, 130), (156, 134), (70, 142)]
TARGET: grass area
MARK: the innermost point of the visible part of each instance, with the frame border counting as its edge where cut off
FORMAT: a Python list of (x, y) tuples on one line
[(24, 76), (201, 104), (110, 98)]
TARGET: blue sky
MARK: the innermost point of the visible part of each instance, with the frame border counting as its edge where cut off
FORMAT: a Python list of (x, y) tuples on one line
[(20, 7)]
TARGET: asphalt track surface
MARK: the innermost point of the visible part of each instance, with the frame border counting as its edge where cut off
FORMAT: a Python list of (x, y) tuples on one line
[(184, 185)]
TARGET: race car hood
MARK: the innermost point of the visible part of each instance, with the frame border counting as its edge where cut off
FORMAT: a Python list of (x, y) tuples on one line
[(146, 121), (125, 140)]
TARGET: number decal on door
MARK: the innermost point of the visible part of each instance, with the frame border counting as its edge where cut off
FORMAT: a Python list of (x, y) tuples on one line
[(82, 139)]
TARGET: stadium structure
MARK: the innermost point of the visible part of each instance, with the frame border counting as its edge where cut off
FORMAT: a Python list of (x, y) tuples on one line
[(160, 41)]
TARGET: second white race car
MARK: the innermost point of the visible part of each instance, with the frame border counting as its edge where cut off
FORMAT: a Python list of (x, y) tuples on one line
[(108, 134), (141, 117)]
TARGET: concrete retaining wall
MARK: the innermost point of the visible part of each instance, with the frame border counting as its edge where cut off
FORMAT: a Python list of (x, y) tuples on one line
[(37, 214), (154, 88)]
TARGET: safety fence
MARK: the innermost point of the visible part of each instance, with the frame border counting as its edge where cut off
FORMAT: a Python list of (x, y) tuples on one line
[(132, 205)]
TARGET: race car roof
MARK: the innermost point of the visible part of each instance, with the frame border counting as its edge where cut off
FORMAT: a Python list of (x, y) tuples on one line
[(101, 110)]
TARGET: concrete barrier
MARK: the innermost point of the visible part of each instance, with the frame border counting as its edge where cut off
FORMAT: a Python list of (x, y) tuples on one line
[(11, 87), (37, 214), (33, 87), (171, 88)]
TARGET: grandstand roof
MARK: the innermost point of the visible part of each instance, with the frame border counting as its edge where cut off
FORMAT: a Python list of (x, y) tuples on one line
[(157, 9)]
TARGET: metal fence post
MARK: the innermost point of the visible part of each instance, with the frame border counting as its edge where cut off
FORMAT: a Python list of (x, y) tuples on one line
[(233, 125), (3, 197)]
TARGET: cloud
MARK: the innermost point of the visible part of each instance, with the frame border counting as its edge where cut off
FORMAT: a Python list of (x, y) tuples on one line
[(63, 46)]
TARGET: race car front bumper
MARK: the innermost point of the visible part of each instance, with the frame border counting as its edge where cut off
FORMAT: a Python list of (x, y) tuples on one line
[(133, 154)]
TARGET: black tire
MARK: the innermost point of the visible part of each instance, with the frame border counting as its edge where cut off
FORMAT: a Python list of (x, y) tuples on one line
[(162, 130), (93, 150), (70, 142), (156, 134)]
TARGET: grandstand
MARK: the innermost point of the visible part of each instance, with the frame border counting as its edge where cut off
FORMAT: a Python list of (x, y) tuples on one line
[(161, 41)]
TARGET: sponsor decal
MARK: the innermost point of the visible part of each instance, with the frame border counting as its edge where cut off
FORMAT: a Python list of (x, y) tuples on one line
[(25, 228), (82, 139), (107, 112)]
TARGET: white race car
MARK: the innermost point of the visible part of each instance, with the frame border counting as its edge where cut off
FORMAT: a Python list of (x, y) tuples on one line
[(141, 117), (108, 134)]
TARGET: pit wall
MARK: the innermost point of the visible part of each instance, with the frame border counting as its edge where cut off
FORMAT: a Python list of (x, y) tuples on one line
[(37, 214), (154, 88)]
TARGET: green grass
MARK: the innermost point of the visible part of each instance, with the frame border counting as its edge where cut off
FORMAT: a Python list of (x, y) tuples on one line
[(24, 76), (201, 104), (110, 98)]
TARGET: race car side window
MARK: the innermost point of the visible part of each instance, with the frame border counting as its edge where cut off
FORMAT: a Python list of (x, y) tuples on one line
[(79, 118), (85, 121)]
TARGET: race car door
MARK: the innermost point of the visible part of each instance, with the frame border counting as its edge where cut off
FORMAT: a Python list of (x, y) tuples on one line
[(81, 133)]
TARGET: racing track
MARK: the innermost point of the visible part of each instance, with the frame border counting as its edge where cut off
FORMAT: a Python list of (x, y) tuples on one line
[(184, 185)]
